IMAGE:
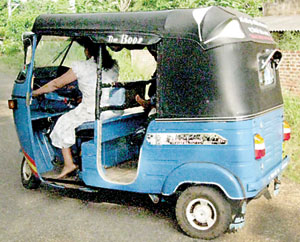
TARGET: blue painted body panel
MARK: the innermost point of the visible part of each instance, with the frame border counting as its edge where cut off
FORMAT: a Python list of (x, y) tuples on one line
[(43, 152), (22, 115), (232, 167), (23, 126), (204, 173)]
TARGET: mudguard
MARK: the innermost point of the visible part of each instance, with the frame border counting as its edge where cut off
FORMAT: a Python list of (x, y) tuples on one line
[(204, 173)]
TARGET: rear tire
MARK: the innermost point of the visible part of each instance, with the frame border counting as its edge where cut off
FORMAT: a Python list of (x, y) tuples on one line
[(203, 212), (29, 181)]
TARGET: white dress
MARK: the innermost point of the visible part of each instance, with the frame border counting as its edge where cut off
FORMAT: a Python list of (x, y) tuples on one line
[(63, 133)]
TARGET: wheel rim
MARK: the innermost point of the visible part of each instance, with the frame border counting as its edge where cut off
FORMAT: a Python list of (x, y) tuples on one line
[(201, 214), (26, 171)]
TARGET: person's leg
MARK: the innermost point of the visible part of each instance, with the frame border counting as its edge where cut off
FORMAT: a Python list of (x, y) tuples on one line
[(142, 102), (69, 166)]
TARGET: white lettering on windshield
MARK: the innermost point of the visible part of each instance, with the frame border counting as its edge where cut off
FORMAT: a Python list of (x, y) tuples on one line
[(125, 39), (111, 39)]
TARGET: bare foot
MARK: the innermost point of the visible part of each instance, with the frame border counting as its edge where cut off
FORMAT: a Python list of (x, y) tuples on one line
[(66, 170), (142, 102)]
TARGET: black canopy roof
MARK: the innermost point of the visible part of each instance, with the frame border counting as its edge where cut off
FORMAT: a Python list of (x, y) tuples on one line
[(155, 22), (196, 24), (219, 83)]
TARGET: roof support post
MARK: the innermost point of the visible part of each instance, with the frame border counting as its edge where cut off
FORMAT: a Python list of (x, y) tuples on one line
[(98, 108)]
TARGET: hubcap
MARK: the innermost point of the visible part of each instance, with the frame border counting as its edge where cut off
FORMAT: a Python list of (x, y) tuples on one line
[(27, 173), (201, 214)]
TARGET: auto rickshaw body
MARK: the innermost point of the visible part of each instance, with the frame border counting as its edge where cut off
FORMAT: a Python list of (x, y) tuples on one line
[(216, 139)]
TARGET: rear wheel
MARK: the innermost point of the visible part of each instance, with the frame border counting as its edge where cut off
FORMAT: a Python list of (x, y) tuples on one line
[(28, 179), (203, 212)]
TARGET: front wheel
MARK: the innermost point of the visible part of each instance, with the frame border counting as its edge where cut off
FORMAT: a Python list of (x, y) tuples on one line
[(203, 212), (28, 179)]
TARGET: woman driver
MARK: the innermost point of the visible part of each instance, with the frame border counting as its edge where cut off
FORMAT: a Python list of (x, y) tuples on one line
[(85, 72)]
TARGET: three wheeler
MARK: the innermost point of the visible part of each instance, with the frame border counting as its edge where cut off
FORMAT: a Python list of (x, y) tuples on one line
[(215, 141)]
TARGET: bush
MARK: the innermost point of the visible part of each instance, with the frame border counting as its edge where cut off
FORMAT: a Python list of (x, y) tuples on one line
[(10, 48), (23, 17), (288, 40), (13, 33), (22, 21)]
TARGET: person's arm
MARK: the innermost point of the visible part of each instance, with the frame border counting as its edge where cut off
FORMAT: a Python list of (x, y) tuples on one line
[(56, 83)]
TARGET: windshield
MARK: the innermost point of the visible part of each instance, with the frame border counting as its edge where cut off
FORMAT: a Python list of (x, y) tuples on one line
[(52, 49), (135, 64)]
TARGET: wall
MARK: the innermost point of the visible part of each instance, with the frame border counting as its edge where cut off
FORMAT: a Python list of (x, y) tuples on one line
[(282, 7), (289, 71)]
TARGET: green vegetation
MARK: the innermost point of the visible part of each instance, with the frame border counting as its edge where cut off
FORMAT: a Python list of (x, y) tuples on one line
[(12, 63), (289, 40), (21, 20), (292, 147), (134, 65)]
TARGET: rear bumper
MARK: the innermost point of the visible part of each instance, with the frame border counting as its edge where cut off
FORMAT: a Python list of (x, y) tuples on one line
[(254, 188)]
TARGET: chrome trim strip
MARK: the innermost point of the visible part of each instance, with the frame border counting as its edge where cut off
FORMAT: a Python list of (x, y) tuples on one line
[(219, 119)]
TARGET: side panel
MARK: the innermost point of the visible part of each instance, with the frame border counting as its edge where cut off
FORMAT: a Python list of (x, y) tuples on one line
[(236, 155), (34, 146), (23, 127), (228, 162), (21, 93), (205, 173), (44, 152)]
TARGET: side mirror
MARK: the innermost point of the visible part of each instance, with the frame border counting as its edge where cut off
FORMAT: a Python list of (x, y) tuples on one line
[(269, 56)]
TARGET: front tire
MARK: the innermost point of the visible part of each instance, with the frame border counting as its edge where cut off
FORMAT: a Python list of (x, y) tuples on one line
[(203, 212), (28, 179)]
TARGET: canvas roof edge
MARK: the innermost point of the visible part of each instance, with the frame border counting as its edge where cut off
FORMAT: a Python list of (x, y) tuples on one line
[(143, 22)]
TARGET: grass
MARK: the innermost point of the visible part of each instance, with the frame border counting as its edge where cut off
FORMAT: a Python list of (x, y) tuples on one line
[(292, 147), (135, 65), (12, 63)]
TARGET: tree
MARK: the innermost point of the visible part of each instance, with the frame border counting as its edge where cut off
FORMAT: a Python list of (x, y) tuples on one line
[(124, 5), (11, 6), (248, 6), (23, 12), (72, 4)]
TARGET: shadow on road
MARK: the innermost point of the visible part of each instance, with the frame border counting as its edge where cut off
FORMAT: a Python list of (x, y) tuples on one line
[(162, 210)]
